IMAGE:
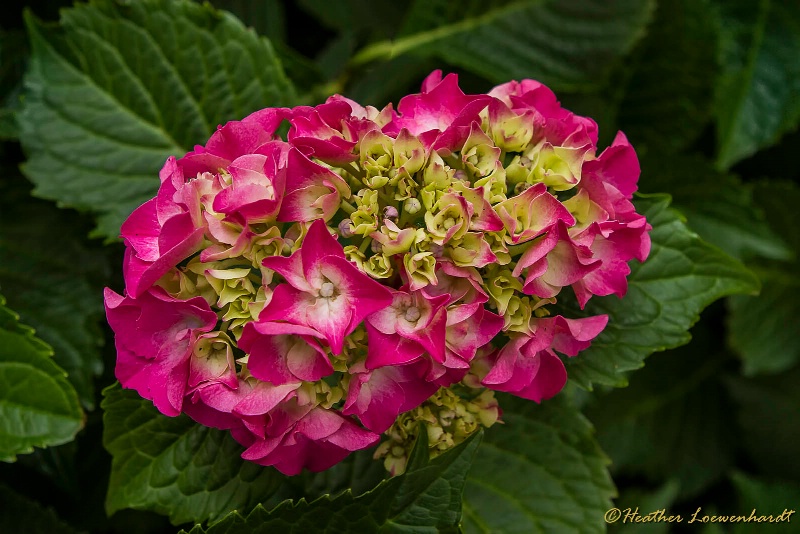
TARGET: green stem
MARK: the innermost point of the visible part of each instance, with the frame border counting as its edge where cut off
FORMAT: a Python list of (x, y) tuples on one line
[(364, 245), (347, 207)]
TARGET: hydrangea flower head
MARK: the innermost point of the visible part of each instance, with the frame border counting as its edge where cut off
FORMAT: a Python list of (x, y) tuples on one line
[(374, 269)]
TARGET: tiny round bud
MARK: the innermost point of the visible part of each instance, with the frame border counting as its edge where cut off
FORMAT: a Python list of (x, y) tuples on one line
[(376, 246), (326, 290), (449, 223), (412, 314), (412, 205), (391, 213), (461, 175), (345, 228)]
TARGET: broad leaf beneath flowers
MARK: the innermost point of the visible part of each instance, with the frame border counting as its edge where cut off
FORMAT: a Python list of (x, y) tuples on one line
[(541, 471), (176, 467), (118, 88), (427, 498), (38, 407), (666, 294)]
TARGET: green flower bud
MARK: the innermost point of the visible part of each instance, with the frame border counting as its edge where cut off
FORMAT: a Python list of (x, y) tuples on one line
[(420, 268), (379, 266), (501, 286)]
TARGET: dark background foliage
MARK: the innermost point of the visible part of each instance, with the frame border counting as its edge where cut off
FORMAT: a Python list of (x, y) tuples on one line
[(708, 91)]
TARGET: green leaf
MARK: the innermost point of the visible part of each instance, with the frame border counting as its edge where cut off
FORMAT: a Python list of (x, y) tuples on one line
[(565, 44), (118, 87), (766, 498), (542, 471), (38, 407), (666, 294), (767, 408), (359, 472), (680, 428), (58, 294), (763, 330), (758, 93), (668, 98), (717, 205), (427, 498), (13, 56), (175, 466), (20, 514)]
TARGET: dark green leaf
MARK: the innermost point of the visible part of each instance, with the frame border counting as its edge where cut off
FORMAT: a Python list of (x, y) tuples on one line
[(176, 467), (768, 408), (766, 498), (679, 428), (542, 471), (668, 97), (717, 205), (427, 498), (359, 472), (666, 294), (38, 407), (266, 17), (58, 291), (758, 94), (13, 55), (118, 87), (20, 514), (565, 44), (763, 330)]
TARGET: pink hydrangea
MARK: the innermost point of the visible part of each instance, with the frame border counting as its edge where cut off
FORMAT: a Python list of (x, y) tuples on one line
[(373, 269)]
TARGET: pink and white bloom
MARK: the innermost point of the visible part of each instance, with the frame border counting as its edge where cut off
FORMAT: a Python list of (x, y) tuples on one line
[(379, 395), (281, 353), (411, 325), (304, 436), (154, 337), (163, 231), (323, 291)]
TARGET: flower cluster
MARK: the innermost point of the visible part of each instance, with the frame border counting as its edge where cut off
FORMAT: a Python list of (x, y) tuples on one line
[(375, 269)]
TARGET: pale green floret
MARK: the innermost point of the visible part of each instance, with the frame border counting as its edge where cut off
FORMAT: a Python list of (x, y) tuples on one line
[(584, 209), (354, 255), (501, 286), (409, 154), (497, 245), (446, 214), (447, 419), (558, 167), (517, 314), (494, 185), (379, 266), (479, 155), (512, 133), (420, 268), (376, 160)]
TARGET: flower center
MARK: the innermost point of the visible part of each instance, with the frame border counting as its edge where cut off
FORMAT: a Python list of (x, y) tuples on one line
[(412, 314), (326, 291)]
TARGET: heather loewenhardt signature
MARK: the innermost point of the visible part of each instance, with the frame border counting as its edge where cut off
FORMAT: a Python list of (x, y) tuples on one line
[(632, 515)]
